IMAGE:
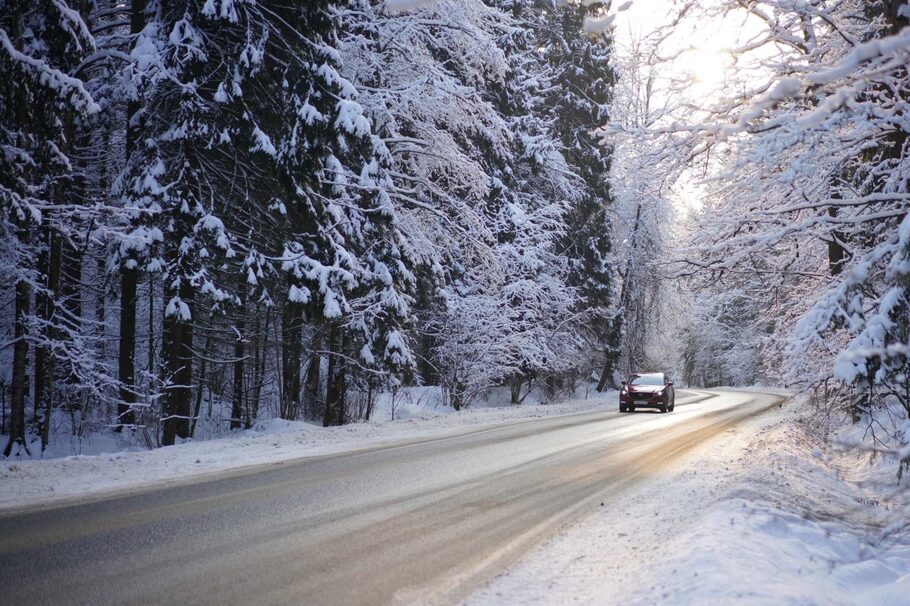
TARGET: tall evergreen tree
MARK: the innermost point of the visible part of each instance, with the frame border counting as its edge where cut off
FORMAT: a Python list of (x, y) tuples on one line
[(563, 84), (344, 258), (175, 182), (41, 47)]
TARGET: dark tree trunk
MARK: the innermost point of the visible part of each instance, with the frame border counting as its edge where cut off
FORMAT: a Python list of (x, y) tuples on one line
[(44, 384), (239, 353), (428, 374), (311, 390), (152, 355), (515, 387), (611, 354), (70, 281), (20, 359), (42, 308), (291, 359), (197, 407), (554, 386), (894, 17), (837, 254), (129, 277), (71, 255), (371, 399), (340, 395), (457, 396), (262, 339), (336, 385), (178, 361), (200, 388)]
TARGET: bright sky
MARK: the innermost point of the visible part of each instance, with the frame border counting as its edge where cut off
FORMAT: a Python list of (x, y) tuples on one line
[(700, 45), (701, 64)]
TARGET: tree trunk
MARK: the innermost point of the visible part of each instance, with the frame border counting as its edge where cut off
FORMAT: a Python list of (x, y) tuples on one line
[(20, 359), (515, 387), (200, 388), (336, 387), (291, 362), (178, 361), (371, 399), (197, 407), (311, 390), (611, 354), (239, 353), (837, 254), (894, 17), (554, 386), (42, 308), (152, 355), (44, 385), (129, 276), (428, 373), (71, 260), (262, 339)]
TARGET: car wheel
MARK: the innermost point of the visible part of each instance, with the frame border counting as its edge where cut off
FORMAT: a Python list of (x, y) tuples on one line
[(630, 409), (622, 409), (663, 408), (672, 404)]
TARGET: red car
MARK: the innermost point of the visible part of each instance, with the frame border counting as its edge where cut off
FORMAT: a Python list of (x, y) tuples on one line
[(647, 390)]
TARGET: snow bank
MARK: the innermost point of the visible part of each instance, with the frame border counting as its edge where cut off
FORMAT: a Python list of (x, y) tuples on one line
[(767, 514), (804, 527)]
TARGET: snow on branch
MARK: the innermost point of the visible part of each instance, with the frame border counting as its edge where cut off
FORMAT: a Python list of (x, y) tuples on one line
[(50, 77), (400, 6)]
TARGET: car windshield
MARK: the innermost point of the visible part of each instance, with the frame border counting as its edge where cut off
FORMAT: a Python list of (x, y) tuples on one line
[(656, 379)]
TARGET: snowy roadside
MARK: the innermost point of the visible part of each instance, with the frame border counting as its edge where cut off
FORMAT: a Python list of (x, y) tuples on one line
[(46, 482), (765, 514)]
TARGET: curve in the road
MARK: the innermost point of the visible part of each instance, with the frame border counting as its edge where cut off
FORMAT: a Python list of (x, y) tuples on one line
[(420, 522)]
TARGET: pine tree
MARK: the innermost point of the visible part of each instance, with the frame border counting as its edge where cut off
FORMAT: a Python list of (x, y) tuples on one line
[(41, 45), (178, 180), (580, 93), (344, 257), (561, 86)]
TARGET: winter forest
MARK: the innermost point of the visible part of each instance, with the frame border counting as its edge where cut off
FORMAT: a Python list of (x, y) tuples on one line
[(223, 211)]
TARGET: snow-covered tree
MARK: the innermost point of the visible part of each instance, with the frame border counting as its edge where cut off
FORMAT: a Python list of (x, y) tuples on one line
[(479, 182), (815, 193), (281, 209), (573, 99), (42, 102), (346, 260), (644, 224)]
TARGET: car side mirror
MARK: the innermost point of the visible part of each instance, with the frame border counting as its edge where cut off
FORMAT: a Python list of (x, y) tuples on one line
[(623, 383), (670, 383)]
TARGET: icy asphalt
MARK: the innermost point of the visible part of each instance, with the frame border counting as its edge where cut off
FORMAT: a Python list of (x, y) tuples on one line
[(422, 522)]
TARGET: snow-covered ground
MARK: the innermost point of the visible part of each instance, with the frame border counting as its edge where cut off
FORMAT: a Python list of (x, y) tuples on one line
[(767, 514), (414, 414)]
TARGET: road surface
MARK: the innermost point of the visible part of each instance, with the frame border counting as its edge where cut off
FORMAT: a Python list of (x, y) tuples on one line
[(422, 522)]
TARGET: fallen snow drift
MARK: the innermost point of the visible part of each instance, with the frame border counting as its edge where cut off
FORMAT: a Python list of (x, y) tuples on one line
[(768, 513), (800, 529)]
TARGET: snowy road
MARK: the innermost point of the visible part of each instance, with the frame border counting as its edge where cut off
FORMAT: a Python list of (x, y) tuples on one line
[(423, 522)]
